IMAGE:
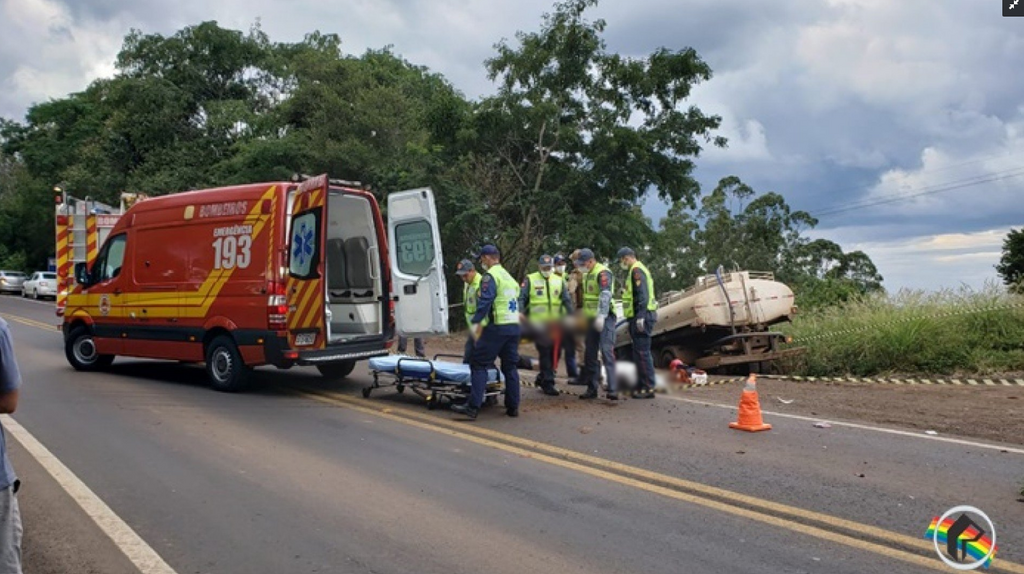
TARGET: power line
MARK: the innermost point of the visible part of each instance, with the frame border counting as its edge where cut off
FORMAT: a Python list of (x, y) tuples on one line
[(928, 190)]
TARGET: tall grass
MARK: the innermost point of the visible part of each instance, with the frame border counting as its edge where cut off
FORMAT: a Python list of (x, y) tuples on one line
[(949, 332)]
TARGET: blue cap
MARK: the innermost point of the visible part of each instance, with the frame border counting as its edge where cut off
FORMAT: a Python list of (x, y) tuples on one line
[(625, 252), (464, 266), (584, 256), (545, 261), (559, 259), (489, 250)]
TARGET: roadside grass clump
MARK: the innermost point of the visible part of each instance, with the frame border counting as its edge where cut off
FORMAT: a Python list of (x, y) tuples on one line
[(950, 332)]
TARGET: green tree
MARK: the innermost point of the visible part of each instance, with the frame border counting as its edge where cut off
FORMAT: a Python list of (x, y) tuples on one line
[(581, 135), (1011, 263)]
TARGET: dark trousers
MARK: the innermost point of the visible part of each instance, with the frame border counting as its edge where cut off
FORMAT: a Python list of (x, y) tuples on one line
[(417, 345), (546, 355), (600, 348), (642, 351), (568, 348), (467, 351), (496, 342)]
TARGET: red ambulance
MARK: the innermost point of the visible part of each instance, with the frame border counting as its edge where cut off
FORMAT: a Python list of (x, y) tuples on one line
[(280, 273)]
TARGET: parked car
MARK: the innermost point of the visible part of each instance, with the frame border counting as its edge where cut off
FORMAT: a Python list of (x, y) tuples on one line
[(40, 284), (11, 281)]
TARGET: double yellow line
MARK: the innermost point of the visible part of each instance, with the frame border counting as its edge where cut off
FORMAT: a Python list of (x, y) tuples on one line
[(908, 549), (30, 322), (870, 538)]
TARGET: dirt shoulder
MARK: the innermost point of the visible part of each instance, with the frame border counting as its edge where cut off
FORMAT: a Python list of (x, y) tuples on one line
[(985, 412)]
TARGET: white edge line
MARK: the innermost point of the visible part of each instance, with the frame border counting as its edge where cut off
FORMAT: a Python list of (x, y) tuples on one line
[(863, 427), (131, 544)]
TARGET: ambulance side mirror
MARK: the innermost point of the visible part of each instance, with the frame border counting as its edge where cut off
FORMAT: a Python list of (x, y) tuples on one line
[(82, 274)]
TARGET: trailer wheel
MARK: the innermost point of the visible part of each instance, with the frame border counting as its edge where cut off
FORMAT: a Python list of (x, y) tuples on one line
[(336, 370), (80, 350), (224, 365), (667, 356)]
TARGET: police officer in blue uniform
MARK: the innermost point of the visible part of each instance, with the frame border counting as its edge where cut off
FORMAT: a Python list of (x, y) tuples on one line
[(495, 326)]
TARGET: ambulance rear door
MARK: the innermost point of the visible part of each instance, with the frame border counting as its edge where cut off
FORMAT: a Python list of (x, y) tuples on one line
[(417, 265)]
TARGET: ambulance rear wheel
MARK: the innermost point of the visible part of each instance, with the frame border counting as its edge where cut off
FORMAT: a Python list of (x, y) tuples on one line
[(80, 349), (337, 370), (224, 366)]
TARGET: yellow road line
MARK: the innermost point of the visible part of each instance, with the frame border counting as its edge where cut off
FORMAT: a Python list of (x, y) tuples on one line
[(631, 476), (642, 478), (29, 322)]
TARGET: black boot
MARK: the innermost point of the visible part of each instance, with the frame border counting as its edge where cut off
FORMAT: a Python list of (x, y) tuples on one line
[(512, 411), (550, 390), (590, 394), (466, 409)]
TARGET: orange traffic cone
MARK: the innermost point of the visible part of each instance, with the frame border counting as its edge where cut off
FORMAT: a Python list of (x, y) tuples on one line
[(750, 409)]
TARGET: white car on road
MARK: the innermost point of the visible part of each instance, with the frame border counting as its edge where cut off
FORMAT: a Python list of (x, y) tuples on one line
[(40, 284)]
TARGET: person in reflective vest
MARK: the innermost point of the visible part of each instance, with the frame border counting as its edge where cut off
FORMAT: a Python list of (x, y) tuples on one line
[(598, 283), (495, 329), (640, 307), (470, 293), (568, 342), (545, 301)]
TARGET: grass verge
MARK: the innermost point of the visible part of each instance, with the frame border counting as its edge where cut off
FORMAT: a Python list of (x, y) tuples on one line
[(948, 332)]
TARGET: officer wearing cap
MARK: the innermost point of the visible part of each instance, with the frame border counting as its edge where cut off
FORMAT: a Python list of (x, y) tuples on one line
[(568, 340), (598, 283), (640, 307), (470, 294), (544, 301), (495, 328)]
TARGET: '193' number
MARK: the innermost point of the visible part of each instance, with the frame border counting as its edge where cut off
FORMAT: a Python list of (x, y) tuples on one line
[(231, 251)]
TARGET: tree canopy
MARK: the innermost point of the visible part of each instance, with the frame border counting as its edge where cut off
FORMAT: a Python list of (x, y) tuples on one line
[(563, 155)]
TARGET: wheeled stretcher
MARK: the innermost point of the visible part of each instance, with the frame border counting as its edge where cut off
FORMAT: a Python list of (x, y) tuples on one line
[(436, 381)]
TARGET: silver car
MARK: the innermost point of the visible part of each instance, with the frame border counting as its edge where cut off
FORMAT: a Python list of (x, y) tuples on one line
[(40, 284), (11, 281)]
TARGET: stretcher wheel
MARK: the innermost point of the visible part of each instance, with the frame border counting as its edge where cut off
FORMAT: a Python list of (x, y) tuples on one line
[(400, 388), (366, 392), (432, 401), (491, 401)]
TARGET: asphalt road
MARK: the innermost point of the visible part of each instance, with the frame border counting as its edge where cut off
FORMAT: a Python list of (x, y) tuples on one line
[(299, 475)]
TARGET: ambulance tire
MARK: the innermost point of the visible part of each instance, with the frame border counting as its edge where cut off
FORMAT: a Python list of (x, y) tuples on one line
[(80, 350), (224, 366), (335, 371)]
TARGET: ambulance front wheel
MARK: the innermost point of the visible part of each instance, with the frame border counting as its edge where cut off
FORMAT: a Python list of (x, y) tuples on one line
[(337, 370), (224, 366), (80, 349)]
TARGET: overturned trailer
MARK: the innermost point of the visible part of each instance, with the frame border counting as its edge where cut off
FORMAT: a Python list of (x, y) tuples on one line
[(721, 323)]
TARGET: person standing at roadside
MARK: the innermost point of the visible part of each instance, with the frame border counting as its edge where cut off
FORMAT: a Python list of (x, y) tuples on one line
[(470, 294), (495, 326), (640, 307), (568, 344), (598, 286), (10, 514)]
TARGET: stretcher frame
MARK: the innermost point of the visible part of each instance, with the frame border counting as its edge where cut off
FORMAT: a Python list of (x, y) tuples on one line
[(436, 392)]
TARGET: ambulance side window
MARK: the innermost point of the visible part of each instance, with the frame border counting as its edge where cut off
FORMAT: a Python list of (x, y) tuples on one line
[(304, 250), (110, 260)]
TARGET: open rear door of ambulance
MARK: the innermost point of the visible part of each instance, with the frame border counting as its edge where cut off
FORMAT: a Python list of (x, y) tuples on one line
[(417, 266), (305, 289)]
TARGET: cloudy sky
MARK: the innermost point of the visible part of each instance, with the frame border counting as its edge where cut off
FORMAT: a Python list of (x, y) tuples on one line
[(900, 123)]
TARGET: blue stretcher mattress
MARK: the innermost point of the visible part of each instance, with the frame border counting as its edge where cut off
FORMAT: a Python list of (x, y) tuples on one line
[(444, 371)]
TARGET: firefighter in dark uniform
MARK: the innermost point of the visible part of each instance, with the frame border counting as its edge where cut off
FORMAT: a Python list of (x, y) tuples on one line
[(598, 285), (568, 342), (495, 327), (640, 307), (470, 293), (544, 301)]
